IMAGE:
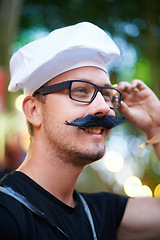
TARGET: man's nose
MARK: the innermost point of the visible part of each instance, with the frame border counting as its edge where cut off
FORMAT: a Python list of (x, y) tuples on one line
[(99, 106)]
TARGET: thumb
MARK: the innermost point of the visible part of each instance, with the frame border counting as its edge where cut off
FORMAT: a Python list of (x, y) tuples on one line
[(124, 110)]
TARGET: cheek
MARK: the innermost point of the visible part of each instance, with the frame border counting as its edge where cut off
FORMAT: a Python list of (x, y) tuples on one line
[(62, 109), (54, 120)]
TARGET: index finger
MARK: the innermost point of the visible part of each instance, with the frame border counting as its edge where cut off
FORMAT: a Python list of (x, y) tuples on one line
[(124, 86), (137, 83)]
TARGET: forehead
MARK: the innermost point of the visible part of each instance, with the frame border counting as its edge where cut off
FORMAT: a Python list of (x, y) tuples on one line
[(92, 74)]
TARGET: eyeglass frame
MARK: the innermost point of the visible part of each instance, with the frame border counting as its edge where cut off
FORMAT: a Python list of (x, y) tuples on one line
[(67, 84)]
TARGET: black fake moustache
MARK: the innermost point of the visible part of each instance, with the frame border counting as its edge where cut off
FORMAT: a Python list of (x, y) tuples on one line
[(108, 121)]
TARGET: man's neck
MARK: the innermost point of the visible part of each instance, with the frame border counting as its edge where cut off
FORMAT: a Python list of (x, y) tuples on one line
[(56, 177)]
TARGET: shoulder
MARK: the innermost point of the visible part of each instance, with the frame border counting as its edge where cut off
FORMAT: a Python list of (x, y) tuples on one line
[(15, 218), (8, 225), (106, 199), (12, 218), (109, 206)]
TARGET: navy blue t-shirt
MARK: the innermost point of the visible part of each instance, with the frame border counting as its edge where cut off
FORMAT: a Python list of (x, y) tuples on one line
[(18, 222)]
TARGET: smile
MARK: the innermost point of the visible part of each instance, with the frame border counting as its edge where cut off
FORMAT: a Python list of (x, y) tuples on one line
[(93, 130)]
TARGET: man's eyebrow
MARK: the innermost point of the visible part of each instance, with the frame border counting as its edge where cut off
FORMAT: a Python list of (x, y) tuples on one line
[(108, 85), (105, 85)]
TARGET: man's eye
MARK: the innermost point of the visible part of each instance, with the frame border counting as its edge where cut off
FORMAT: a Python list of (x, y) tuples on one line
[(107, 99), (80, 90), (107, 95)]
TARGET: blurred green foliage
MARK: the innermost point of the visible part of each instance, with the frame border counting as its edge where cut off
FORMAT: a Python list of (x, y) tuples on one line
[(134, 25)]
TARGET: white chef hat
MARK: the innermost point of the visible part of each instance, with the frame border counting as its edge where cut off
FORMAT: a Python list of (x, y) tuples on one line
[(79, 45)]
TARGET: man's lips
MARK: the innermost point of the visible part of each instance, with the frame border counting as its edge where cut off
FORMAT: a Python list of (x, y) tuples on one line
[(93, 130)]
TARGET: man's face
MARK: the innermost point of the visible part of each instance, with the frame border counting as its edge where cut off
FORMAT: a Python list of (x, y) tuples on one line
[(72, 144)]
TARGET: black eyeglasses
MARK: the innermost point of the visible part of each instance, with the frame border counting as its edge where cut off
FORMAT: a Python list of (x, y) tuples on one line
[(85, 92)]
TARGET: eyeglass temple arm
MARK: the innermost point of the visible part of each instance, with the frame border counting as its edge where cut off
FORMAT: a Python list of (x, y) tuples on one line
[(52, 88)]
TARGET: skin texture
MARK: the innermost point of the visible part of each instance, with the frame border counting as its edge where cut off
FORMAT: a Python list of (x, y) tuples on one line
[(142, 108), (58, 153)]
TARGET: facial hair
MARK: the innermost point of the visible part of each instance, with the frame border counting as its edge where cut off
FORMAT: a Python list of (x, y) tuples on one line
[(107, 122), (70, 153)]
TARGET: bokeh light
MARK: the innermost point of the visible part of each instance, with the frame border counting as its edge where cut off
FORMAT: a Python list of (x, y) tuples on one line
[(113, 161), (157, 191), (145, 191), (123, 175), (19, 101), (132, 186)]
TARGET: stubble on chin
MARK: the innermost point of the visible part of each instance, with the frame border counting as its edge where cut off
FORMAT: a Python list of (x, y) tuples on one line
[(67, 153), (83, 157)]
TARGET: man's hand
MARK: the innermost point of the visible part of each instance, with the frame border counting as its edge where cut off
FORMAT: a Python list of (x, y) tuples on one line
[(141, 106)]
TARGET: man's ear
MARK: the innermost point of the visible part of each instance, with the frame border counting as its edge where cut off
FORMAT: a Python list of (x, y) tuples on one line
[(31, 109)]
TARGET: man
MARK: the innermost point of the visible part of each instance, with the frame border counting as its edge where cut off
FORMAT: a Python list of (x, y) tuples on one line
[(69, 107)]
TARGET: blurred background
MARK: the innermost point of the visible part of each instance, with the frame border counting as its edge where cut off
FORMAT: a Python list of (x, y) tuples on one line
[(135, 27)]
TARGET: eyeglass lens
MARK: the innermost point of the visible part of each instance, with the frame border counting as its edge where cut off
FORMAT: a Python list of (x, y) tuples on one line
[(83, 92)]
